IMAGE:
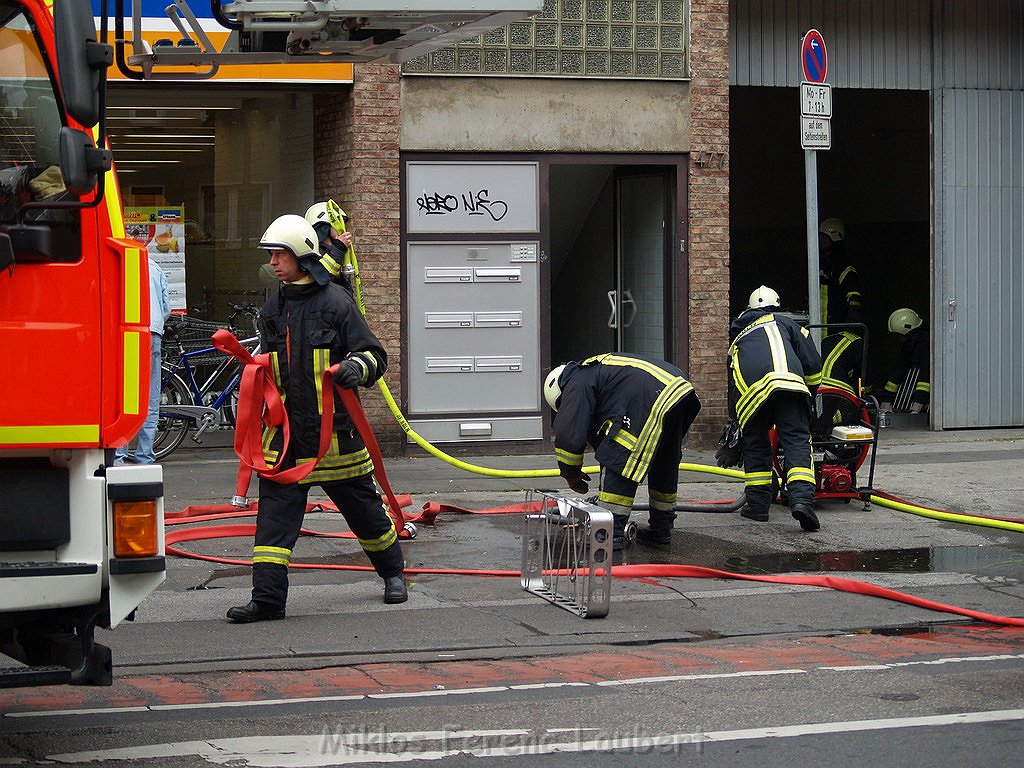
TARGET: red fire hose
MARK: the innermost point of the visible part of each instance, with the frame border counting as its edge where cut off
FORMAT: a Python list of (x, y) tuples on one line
[(259, 401)]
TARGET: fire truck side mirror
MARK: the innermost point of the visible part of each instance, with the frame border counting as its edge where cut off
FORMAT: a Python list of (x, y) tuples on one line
[(81, 161), (81, 60)]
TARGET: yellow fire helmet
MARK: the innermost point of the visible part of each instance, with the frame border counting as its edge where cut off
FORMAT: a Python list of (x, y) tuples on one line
[(834, 228), (904, 320)]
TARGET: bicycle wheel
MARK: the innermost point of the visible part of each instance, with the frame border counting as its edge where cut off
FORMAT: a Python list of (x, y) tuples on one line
[(170, 432), (230, 409)]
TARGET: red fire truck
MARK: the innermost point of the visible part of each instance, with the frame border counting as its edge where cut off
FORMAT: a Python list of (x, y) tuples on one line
[(81, 540)]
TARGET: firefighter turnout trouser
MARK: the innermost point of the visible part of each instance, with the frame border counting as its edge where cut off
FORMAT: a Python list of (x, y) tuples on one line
[(790, 414), (618, 493), (279, 520)]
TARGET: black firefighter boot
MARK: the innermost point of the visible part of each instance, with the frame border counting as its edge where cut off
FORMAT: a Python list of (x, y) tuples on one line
[(659, 531), (395, 590), (246, 614), (390, 561), (804, 514), (269, 594)]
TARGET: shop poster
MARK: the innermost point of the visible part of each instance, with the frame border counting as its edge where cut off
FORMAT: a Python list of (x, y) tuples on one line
[(161, 231)]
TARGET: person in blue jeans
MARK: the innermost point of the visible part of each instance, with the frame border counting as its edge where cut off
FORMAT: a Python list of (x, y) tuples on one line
[(159, 310)]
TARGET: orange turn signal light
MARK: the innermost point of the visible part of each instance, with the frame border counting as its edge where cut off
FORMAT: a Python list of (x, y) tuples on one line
[(135, 533)]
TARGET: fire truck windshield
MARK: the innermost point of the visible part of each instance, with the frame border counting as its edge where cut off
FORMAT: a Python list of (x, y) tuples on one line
[(30, 120)]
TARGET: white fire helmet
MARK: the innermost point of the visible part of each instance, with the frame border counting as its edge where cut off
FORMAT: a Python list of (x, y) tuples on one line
[(293, 233), (552, 390), (763, 297), (327, 212)]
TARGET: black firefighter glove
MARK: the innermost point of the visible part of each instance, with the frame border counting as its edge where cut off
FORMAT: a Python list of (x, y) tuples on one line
[(577, 481), (349, 374), (730, 449)]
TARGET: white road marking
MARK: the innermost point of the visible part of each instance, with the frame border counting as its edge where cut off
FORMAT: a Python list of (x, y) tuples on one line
[(317, 751), (519, 687)]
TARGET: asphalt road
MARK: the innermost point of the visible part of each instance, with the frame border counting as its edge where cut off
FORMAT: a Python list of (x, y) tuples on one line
[(474, 668)]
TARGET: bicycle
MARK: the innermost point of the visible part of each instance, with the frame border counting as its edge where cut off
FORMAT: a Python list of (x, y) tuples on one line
[(189, 399)]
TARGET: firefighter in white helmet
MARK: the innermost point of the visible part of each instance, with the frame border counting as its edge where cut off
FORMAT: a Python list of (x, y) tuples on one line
[(309, 325), (635, 412), (330, 222), (909, 383), (775, 371)]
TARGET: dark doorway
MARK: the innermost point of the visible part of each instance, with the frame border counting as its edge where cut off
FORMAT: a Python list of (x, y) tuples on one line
[(876, 178), (610, 235)]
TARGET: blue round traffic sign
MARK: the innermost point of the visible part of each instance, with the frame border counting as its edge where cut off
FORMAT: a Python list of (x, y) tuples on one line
[(814, 57)]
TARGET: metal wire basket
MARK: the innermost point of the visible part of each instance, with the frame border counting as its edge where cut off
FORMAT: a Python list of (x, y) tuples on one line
[(567, 554), (188, 334)]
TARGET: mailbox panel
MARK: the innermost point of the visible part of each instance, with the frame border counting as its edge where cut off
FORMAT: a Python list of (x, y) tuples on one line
[(474, 339)]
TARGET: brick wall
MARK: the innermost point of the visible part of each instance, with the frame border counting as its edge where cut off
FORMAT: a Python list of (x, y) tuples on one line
[(709, 214), (356, 138)]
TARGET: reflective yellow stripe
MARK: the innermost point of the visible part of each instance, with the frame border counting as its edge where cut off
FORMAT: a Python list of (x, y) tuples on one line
[(615, 498), (380, 543), (837, 384), (274, 555), (630, 362), (757, 478), (923, 386), (572, 459), (800, 473), (339, 467), (330, 264), (275, 366), (321, 362), (754, 397), (112, 198), (778, 348), (640, 459), (269, 559), (132, 286), (667, 498), (625, 439), (51, 433), (131, 373), (846, 273), (272, 550)]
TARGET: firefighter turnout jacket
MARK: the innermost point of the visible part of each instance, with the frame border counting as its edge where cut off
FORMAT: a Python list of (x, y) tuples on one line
[(307, 328), (840, 289), (842, 358), (618, 403), (769, 353)]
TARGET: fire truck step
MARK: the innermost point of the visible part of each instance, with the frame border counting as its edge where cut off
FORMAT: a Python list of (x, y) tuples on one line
[(22, 570), (20, 677)]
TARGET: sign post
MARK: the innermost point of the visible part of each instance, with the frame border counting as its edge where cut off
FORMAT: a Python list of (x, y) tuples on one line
[(815, 135)]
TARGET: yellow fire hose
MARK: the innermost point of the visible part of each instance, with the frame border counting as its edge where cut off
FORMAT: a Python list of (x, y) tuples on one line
[(736, 474)]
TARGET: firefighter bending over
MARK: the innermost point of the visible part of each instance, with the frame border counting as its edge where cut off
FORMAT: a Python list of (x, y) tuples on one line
[(309, 325), (775, 371), (635, 412)]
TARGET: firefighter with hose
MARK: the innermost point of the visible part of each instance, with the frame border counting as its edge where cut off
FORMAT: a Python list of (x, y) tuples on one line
[(309, 325)]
